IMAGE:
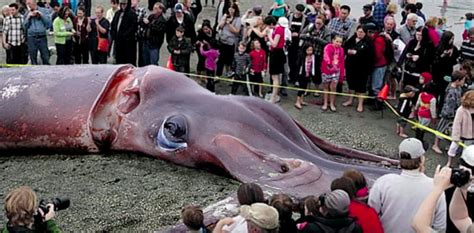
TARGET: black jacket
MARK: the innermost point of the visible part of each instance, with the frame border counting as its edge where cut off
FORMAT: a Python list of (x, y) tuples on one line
[(188, 25), (128, 26), (185, 48), (155, 30), (320, 224)]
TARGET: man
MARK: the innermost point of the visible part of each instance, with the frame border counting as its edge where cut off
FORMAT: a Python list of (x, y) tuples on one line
[(380, 61), (192, 8), (396, 198), (14, 36), (123, 32), (367, 17), (222, 8), (388, 29), (467, 47), (407, 31), (313, 10), (412, 9), (98, 27), (114, 7), (36, 25), (154, 34), (297, 21), (179, 18), (342, 25), (380, 10), (140, 35)]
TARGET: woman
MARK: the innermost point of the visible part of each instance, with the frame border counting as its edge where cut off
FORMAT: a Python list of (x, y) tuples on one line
[(446, 56), (463, 130), (5, 13), (229, 30), (258, 32), (204, 36), (63, 32), (417, 57), (329, 9), (359, 63), (432, 25), (81, 38), (277, 54), (332, 68), (284, 205), (99, 28)]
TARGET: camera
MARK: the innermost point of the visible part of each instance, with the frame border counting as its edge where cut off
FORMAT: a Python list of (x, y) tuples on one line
[(460, 177), (59, 204)]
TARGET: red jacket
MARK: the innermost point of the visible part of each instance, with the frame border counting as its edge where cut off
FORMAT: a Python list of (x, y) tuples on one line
[(366, 217), (258, 60), (379, 44)]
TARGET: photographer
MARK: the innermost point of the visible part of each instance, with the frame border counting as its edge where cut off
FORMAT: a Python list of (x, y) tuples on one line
[(21, 207), (444, 179)]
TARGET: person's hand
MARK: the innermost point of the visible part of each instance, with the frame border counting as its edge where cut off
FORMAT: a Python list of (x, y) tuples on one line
[(50, 215), (415, 57), (7, 46), (146, 21), (294, 34), (177, 52), (442, 178), (227, 221)]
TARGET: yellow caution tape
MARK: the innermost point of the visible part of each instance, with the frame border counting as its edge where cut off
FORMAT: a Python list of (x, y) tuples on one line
[(392, 109)]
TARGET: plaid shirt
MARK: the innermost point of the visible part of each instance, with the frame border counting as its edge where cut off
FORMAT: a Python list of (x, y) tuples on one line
[(379, 14), (14, 30), (339, 27)]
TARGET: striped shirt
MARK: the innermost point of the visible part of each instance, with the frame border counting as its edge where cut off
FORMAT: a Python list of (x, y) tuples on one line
[(241, 63), (467, 50), (339, 27), (14, 30)]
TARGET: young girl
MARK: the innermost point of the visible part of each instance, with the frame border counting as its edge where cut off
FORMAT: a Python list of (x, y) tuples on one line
[(451, 103), (463, 129), (258, 65), (425, 108), (332, 68), (305, 74), (211, 56)]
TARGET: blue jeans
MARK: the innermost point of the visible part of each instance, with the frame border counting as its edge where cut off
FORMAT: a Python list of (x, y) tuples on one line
[(40, 43), (151, 54), (378, 76)]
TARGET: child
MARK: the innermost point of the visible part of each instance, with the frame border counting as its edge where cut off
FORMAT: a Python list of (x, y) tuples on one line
[(180, 49), (305, 74), (258, 66), (452, 101), (240, 65), (463, 129), (425, 108), (211, 56), (405, 107), (193, 218), (332, 68), (469, 23)]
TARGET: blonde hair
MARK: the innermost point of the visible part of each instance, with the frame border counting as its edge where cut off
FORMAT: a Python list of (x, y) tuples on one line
[(392, 8), (432, 21), (20, 206), (467, 100)]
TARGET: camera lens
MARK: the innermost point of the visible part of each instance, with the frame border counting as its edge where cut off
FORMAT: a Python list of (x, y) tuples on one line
[(460, 177)]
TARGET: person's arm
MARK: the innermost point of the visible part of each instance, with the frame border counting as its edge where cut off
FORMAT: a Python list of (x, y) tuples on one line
[(57, 27), (433, 108), (100, 28), (52, 227), (457, 122), (423, 218), (324, 40), (375, 197), (235, 29), (458, 210), (259, 33), (170, 47), (6, 27), (188, 48), (221, 224), (46, 21)]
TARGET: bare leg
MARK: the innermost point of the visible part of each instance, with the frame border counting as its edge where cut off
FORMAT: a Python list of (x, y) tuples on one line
[(435, 146), (360, 104), (298, 102), (276, 83), (332, 97), (349, 100), (325, 97)]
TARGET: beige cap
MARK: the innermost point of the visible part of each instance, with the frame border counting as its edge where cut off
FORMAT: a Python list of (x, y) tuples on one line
[(261, 214)]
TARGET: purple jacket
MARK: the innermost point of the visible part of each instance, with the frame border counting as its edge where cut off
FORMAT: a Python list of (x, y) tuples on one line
[(211, 56)]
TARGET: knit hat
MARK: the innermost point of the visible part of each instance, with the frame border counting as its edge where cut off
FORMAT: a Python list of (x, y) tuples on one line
[(337, 202), (261, 214), (300, 7), (427, 77), (412, 146)]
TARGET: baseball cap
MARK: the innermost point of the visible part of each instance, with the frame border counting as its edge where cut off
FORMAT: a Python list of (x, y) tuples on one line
[(178, 7), (283, 22), (300, 7), (261, 214), (337, 202), (412, 146)]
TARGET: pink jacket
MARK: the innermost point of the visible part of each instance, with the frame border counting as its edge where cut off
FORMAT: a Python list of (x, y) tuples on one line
[(434, 36), (462, 125), (211, 56), (333, 61)]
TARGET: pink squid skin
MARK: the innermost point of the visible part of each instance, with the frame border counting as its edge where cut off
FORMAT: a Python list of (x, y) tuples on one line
[(122, 108)]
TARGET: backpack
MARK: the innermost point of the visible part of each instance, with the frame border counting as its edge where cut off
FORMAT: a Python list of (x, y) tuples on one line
[(389, 52)]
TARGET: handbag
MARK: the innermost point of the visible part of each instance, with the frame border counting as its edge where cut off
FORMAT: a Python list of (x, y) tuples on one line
[(102, 43)]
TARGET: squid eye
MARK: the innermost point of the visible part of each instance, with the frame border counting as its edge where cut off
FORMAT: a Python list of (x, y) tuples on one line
[(172, 134)]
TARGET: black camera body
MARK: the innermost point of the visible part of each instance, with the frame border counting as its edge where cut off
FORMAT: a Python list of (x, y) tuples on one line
[(460, 177), (59, 204)]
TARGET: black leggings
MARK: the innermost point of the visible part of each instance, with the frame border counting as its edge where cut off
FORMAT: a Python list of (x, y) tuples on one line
[(210, 81), (236, 85), (303, 84), (256, 78)]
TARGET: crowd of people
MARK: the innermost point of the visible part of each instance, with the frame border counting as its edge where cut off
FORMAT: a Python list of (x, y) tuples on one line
[(317, 43), (406, 202)]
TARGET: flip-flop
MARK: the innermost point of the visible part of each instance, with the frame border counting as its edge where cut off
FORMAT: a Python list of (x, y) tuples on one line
[(324, 108), (333, 109), (296, 106), (360, 111), (347, 105), (304, 104)]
